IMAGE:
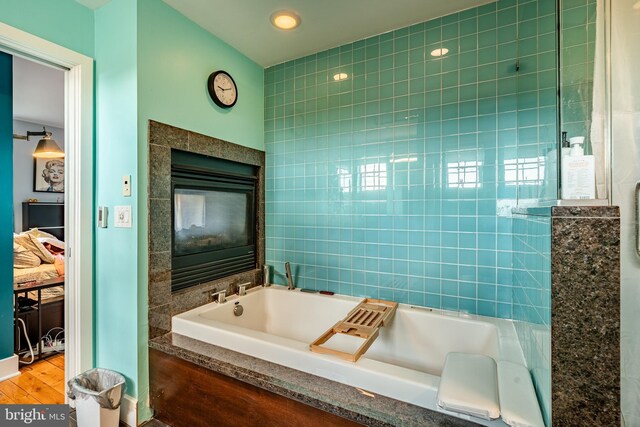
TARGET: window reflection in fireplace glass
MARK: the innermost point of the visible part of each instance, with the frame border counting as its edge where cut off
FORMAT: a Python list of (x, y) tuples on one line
[(209, 220)]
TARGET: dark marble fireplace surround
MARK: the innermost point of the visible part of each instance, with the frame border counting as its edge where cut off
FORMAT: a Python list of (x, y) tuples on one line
[(162, 303)]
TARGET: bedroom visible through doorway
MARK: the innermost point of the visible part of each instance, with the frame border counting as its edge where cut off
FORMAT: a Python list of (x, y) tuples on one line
[(78, 195), (39, 225)]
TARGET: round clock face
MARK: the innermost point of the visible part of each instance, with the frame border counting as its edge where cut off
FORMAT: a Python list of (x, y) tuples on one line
[(222, 89)]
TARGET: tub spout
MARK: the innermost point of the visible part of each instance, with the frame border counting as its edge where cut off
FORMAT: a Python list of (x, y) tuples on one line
[(287, 267)]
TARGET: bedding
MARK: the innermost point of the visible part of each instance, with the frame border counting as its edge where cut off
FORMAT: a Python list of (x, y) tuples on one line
[(35, 232), (24, 258), (39, 274), (38, 261), (47, 295), (38, 256), (32, 244), (35, 274)]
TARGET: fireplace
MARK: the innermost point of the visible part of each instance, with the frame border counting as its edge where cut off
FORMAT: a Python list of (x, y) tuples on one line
[(213, 218)]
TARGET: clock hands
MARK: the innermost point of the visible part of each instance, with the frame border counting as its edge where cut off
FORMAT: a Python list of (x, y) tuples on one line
[(225, 89)]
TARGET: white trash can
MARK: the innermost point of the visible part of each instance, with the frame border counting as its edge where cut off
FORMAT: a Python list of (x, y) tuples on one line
[(98, 394)]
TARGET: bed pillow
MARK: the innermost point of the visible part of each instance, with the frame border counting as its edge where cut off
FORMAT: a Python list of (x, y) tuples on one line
[(58, 245), (44, 237), (33, 245), (23, 258), (35, 232)]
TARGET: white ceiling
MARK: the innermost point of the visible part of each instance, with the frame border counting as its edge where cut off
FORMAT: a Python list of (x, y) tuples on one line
[(38, 93), (245, 25)]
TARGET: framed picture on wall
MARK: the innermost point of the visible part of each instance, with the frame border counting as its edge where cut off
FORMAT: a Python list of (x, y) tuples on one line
[(48, 175)]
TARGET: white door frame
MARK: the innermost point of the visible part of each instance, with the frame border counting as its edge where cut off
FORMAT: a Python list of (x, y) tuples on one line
[(78, 196)]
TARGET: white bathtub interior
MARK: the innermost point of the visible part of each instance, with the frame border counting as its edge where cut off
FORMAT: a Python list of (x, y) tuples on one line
[(404, 363)]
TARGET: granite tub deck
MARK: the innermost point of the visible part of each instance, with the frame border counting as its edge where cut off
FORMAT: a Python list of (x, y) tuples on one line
[(329, 396)]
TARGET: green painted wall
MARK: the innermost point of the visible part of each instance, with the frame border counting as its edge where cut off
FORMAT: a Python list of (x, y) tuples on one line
[(64, 22), (6, 203), (116, 287), (175, 57)]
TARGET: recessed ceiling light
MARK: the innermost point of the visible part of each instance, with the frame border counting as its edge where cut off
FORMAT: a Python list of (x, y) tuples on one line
[(340, 76), (439, 52), (285, 20)]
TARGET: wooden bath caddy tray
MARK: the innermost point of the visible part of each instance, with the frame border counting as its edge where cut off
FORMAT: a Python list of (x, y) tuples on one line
[(364, 321)]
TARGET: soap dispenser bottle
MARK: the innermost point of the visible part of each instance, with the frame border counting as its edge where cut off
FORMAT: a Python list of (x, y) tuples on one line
[(577, 148), (578, 172)]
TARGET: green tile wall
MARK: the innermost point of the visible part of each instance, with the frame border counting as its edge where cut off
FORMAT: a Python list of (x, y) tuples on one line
[(398, 182), (532, 299)]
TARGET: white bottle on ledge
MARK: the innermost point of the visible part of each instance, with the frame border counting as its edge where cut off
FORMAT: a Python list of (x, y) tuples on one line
[(578, 172)]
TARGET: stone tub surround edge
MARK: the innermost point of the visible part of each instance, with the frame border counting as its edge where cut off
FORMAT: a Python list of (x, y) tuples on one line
[(584, 293), (585, 316)]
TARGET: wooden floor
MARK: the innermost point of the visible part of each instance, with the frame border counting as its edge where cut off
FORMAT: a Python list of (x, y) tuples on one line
[(40, 382)]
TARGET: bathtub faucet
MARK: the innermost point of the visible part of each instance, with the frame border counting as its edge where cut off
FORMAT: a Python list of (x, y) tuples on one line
[(287, 267), (219, 297), (242, 289)]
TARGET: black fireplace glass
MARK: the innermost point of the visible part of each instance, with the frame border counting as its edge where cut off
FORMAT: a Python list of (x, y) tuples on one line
[(211, 220)]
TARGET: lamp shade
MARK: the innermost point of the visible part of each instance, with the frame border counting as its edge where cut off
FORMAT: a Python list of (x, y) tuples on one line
[(48, 149)]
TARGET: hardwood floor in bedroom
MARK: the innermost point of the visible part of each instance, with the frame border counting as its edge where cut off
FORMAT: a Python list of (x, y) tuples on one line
[(40, 382)]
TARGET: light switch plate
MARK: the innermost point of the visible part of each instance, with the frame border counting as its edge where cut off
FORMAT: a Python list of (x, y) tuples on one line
[(126, 185), (122, 216)]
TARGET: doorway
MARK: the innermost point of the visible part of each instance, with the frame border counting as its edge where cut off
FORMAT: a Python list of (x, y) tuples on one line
[(78, 193), (38, 243)]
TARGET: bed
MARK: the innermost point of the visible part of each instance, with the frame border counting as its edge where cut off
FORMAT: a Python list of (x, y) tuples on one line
[(40, 274), (38, 285)]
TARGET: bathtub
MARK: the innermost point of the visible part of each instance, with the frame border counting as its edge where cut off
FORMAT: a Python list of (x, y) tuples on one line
[(404, 363)]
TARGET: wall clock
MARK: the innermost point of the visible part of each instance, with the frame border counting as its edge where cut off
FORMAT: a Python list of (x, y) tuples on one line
[(222, 89)]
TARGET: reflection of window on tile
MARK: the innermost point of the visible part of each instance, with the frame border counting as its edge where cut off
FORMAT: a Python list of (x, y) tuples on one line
[(524, 171), (373, 176), (345, 180), (464, 174)]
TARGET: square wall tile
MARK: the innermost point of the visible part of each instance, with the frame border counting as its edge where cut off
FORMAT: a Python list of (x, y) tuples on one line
[(390, 184)]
